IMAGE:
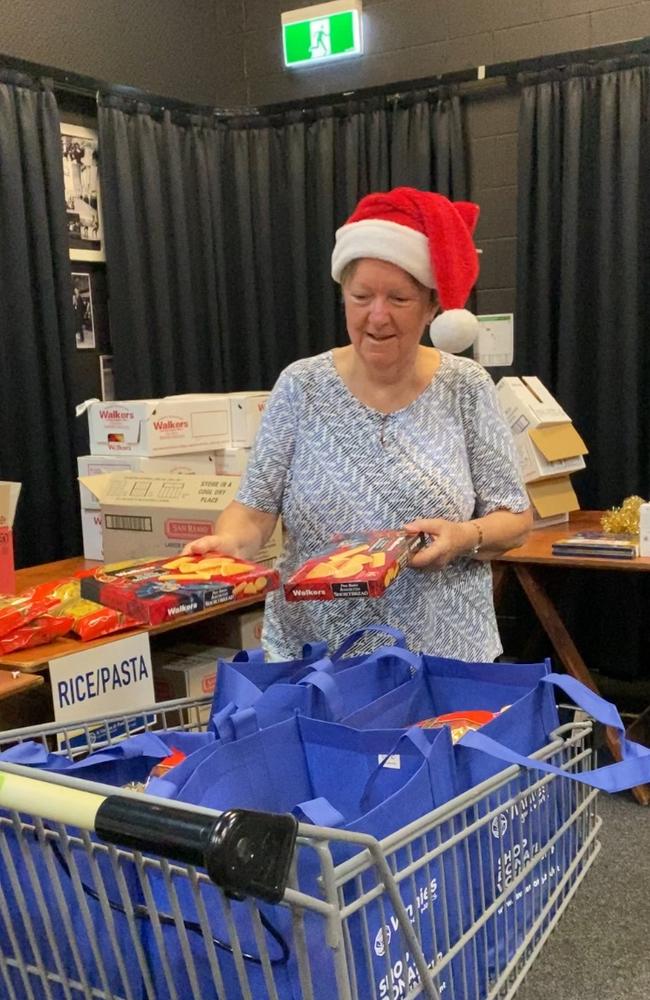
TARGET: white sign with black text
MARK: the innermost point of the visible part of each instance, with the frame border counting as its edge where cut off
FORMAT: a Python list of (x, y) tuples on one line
[(114, 677)]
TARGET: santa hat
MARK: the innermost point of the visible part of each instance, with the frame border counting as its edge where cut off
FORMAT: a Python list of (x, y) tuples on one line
[(428, 236)]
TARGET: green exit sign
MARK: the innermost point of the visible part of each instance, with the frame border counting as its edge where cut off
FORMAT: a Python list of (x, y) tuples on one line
[(318, 34)]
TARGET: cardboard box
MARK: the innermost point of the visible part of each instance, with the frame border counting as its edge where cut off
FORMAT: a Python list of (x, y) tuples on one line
[(246, 409), (157, 515), (188, 670), (9, 493), (549, 522), (167, 426), (91, 532), (160, 590), (550, 451), (240, 629), (230, 461), (551, 497), (527, 403), (194, 463), (363, 565)]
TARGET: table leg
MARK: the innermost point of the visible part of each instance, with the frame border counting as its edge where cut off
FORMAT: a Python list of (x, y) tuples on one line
[(567, 652)]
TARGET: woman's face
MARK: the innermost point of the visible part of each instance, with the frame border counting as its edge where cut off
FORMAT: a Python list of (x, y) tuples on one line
[(386, 311)]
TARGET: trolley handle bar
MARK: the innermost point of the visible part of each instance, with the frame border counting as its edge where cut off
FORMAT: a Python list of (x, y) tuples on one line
[(245, 852)]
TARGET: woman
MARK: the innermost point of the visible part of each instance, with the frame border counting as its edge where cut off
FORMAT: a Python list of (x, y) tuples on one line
[(386, 433)]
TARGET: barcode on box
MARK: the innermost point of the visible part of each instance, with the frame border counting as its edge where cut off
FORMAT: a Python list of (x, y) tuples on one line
[(127, 522)]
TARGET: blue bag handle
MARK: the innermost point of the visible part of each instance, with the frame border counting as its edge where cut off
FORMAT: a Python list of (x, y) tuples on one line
[(399, 637), (33, 754), (329, 664), (249, 656), (239, 718), (324, 681), (310, 651), (314, 650), (419, 741), (321, 812), (234, 725), (633, 770)]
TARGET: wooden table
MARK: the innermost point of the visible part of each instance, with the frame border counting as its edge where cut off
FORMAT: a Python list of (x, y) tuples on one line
[(11, 685), (36, 660), (530, 564)]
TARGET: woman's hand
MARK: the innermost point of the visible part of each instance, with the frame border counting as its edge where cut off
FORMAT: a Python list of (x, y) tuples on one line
[(449, 541), (209, 543), (495, 533)]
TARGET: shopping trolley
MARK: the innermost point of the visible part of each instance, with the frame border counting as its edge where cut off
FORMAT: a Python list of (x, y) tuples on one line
[(108, 893)]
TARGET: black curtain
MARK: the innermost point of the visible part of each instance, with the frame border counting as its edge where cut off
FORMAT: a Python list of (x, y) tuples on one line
[(583, 283), (36, 329), (219, 234)]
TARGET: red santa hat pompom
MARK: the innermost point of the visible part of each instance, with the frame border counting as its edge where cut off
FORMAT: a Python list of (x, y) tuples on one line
[(427, 235)]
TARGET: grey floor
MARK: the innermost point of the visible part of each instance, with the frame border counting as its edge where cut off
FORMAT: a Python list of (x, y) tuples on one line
[(601, 947)]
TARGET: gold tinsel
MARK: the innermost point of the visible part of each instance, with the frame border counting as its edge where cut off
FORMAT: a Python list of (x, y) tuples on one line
[(623, 519)]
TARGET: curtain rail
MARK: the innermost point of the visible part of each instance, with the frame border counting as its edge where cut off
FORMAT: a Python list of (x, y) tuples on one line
[(505, 72)]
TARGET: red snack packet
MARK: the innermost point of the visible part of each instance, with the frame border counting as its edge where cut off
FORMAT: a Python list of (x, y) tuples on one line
[(90, 620), (35, 633), (165, 765), (17, 611), (459, 722), (99, 621)]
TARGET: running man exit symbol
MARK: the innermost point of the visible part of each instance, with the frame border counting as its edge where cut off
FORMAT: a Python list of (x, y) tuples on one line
[(321, 41)]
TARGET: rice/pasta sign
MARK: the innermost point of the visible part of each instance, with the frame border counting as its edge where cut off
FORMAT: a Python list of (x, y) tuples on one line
[(318, 34), (113, 677)]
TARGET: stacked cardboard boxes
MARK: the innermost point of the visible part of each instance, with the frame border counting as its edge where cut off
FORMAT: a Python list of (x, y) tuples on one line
[(549, 447), (201, 434), (9, 493)]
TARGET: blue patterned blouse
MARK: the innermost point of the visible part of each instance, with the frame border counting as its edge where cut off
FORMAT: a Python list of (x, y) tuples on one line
[(328, 463)]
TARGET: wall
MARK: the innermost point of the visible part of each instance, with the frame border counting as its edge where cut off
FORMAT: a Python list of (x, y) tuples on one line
[(190, 49), (228, 52), (406, 39)]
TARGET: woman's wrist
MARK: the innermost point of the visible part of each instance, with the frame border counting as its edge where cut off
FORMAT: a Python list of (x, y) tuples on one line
[(475, 538)]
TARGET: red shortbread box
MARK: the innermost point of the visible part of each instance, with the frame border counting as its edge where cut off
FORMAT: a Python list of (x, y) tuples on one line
[(156, 590), (362, 565)]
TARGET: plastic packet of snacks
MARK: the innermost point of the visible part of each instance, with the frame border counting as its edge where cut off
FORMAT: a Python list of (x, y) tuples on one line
[(89, 619), (37, 632), (461, 722), (158, 590), (18, 611), (361, 565)]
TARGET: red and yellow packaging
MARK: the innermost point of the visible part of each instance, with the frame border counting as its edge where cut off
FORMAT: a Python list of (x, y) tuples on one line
[(157, 590), (18, 611), (89, 619), (359, 566), (460, 722), (35, 633)]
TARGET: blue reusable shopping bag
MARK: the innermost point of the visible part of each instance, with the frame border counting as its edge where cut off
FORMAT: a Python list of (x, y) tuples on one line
[(251, 694), (443, 685), (125, 761), (527, 824), (52, 917), (333, 775)]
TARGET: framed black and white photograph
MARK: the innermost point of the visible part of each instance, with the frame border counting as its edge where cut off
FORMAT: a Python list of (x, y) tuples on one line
[(82, 195), (82, 307)]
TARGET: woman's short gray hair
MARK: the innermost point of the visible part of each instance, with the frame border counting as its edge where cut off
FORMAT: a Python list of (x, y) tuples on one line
[(347, 274)]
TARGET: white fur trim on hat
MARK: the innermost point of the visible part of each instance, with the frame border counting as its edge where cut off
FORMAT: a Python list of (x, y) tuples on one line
[(383, 240)]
